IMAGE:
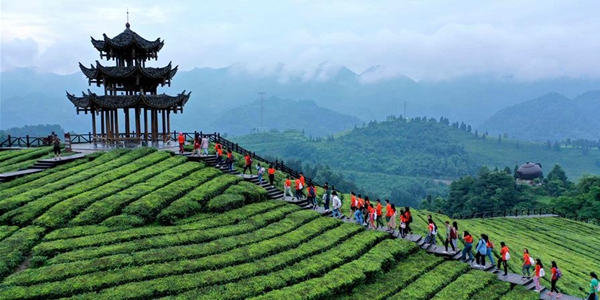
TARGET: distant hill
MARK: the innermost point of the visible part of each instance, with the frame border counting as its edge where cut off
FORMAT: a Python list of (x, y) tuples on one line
[(551, 117), (372, 94), (284, 114), (390, 155)]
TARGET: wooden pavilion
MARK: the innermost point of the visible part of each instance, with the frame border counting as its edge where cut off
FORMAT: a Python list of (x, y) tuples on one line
[(130, 90)]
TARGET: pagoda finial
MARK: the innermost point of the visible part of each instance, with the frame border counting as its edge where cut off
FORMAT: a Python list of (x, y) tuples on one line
[(127, 24)]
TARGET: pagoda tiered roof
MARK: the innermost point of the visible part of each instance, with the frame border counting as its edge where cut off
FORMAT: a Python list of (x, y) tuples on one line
[(162, 101), (100, 71), (125, 40)]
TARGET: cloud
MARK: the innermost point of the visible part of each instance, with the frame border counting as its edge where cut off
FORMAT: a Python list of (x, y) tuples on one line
[(19, 53), (431, 40)]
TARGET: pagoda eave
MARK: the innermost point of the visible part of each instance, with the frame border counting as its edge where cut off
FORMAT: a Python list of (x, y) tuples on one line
[(99, 71), (162, 101)]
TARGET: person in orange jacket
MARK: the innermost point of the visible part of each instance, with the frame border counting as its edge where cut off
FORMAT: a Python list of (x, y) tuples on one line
[(504, 257), (287, 187), (378, 211), (271, 174), (181, 139)]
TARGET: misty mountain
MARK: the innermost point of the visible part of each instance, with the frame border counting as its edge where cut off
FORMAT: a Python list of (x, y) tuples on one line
[(28, 96), (279, 113), (551, 117)]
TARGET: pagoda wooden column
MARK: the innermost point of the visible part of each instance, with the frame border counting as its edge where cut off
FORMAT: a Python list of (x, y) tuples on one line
[(152, 125), (145, 124), (126, 111), (108, 125), (169, 122), (164, 125), (116, 114), (137, 122), (102, 131), (94, 124)]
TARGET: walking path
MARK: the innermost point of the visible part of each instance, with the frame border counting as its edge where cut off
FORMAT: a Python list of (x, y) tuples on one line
[(40, 165), (274, 193)]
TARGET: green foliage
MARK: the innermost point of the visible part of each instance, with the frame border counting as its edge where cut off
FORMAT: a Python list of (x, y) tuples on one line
[(197, 199), (251, 192), (15, 247), (225, 202), (520, 293), (123, 221)]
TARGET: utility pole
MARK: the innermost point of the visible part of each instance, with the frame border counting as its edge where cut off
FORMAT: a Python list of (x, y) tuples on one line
[(262, 108)]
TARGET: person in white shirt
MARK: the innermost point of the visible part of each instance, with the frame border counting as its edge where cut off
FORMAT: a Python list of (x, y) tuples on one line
[(336, 204)]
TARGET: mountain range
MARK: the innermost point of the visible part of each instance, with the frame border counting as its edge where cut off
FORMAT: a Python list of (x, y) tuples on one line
[(551, 117), (28, 97)]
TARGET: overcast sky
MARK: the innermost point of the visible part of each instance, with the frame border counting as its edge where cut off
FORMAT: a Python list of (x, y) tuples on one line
[(420, 39)]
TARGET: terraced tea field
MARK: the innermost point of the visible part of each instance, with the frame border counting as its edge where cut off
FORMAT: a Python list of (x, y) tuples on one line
[(146, 224)]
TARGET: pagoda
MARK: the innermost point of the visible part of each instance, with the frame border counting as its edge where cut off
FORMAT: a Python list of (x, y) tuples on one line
[(129, 88)]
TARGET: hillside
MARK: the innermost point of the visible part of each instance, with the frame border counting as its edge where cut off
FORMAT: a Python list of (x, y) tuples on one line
[(416, 149), (88, 230), (283, 114), (551, 117), (367, 95)]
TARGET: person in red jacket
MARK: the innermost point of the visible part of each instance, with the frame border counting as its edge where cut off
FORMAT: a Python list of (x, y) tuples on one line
[(287, 187), (556, 274), (298, 189), (248, 165), (388, 214), (271, 174), (504, 257), (379, 213), (181, 139)]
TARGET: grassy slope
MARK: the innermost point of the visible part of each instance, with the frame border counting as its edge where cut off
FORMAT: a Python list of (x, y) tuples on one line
[(267, 249)]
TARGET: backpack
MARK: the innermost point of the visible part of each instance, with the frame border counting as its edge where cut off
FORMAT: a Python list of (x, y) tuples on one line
[(453, 233), (558, 273), (507, 255), (531, 261), (542, 272), (311, 191), (410, 218), (434, 232)]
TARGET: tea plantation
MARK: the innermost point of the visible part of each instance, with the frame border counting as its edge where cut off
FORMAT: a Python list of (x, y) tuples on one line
[(146, 224)]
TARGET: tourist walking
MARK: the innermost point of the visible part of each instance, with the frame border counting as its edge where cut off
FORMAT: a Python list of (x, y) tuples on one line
[(204, 144), (490, 250), (468, 246), (56, 143), (248, 163), (181, 139), (556, 274), (481, 251), (431, 232), (336, 204), (219, 151), (271, 174), (259, 172), (326, 197), (393, 219), (504, 257), (594, 287), (303, 183), (358, 216), (298, 188), (539, 272), (372, 216), (455, 236), (450, 235), (402, 229), (312, 196), (527, 263), (229, 159), (196, 147), (287, 187), (379, 212), (388, 214), (409, 219)]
